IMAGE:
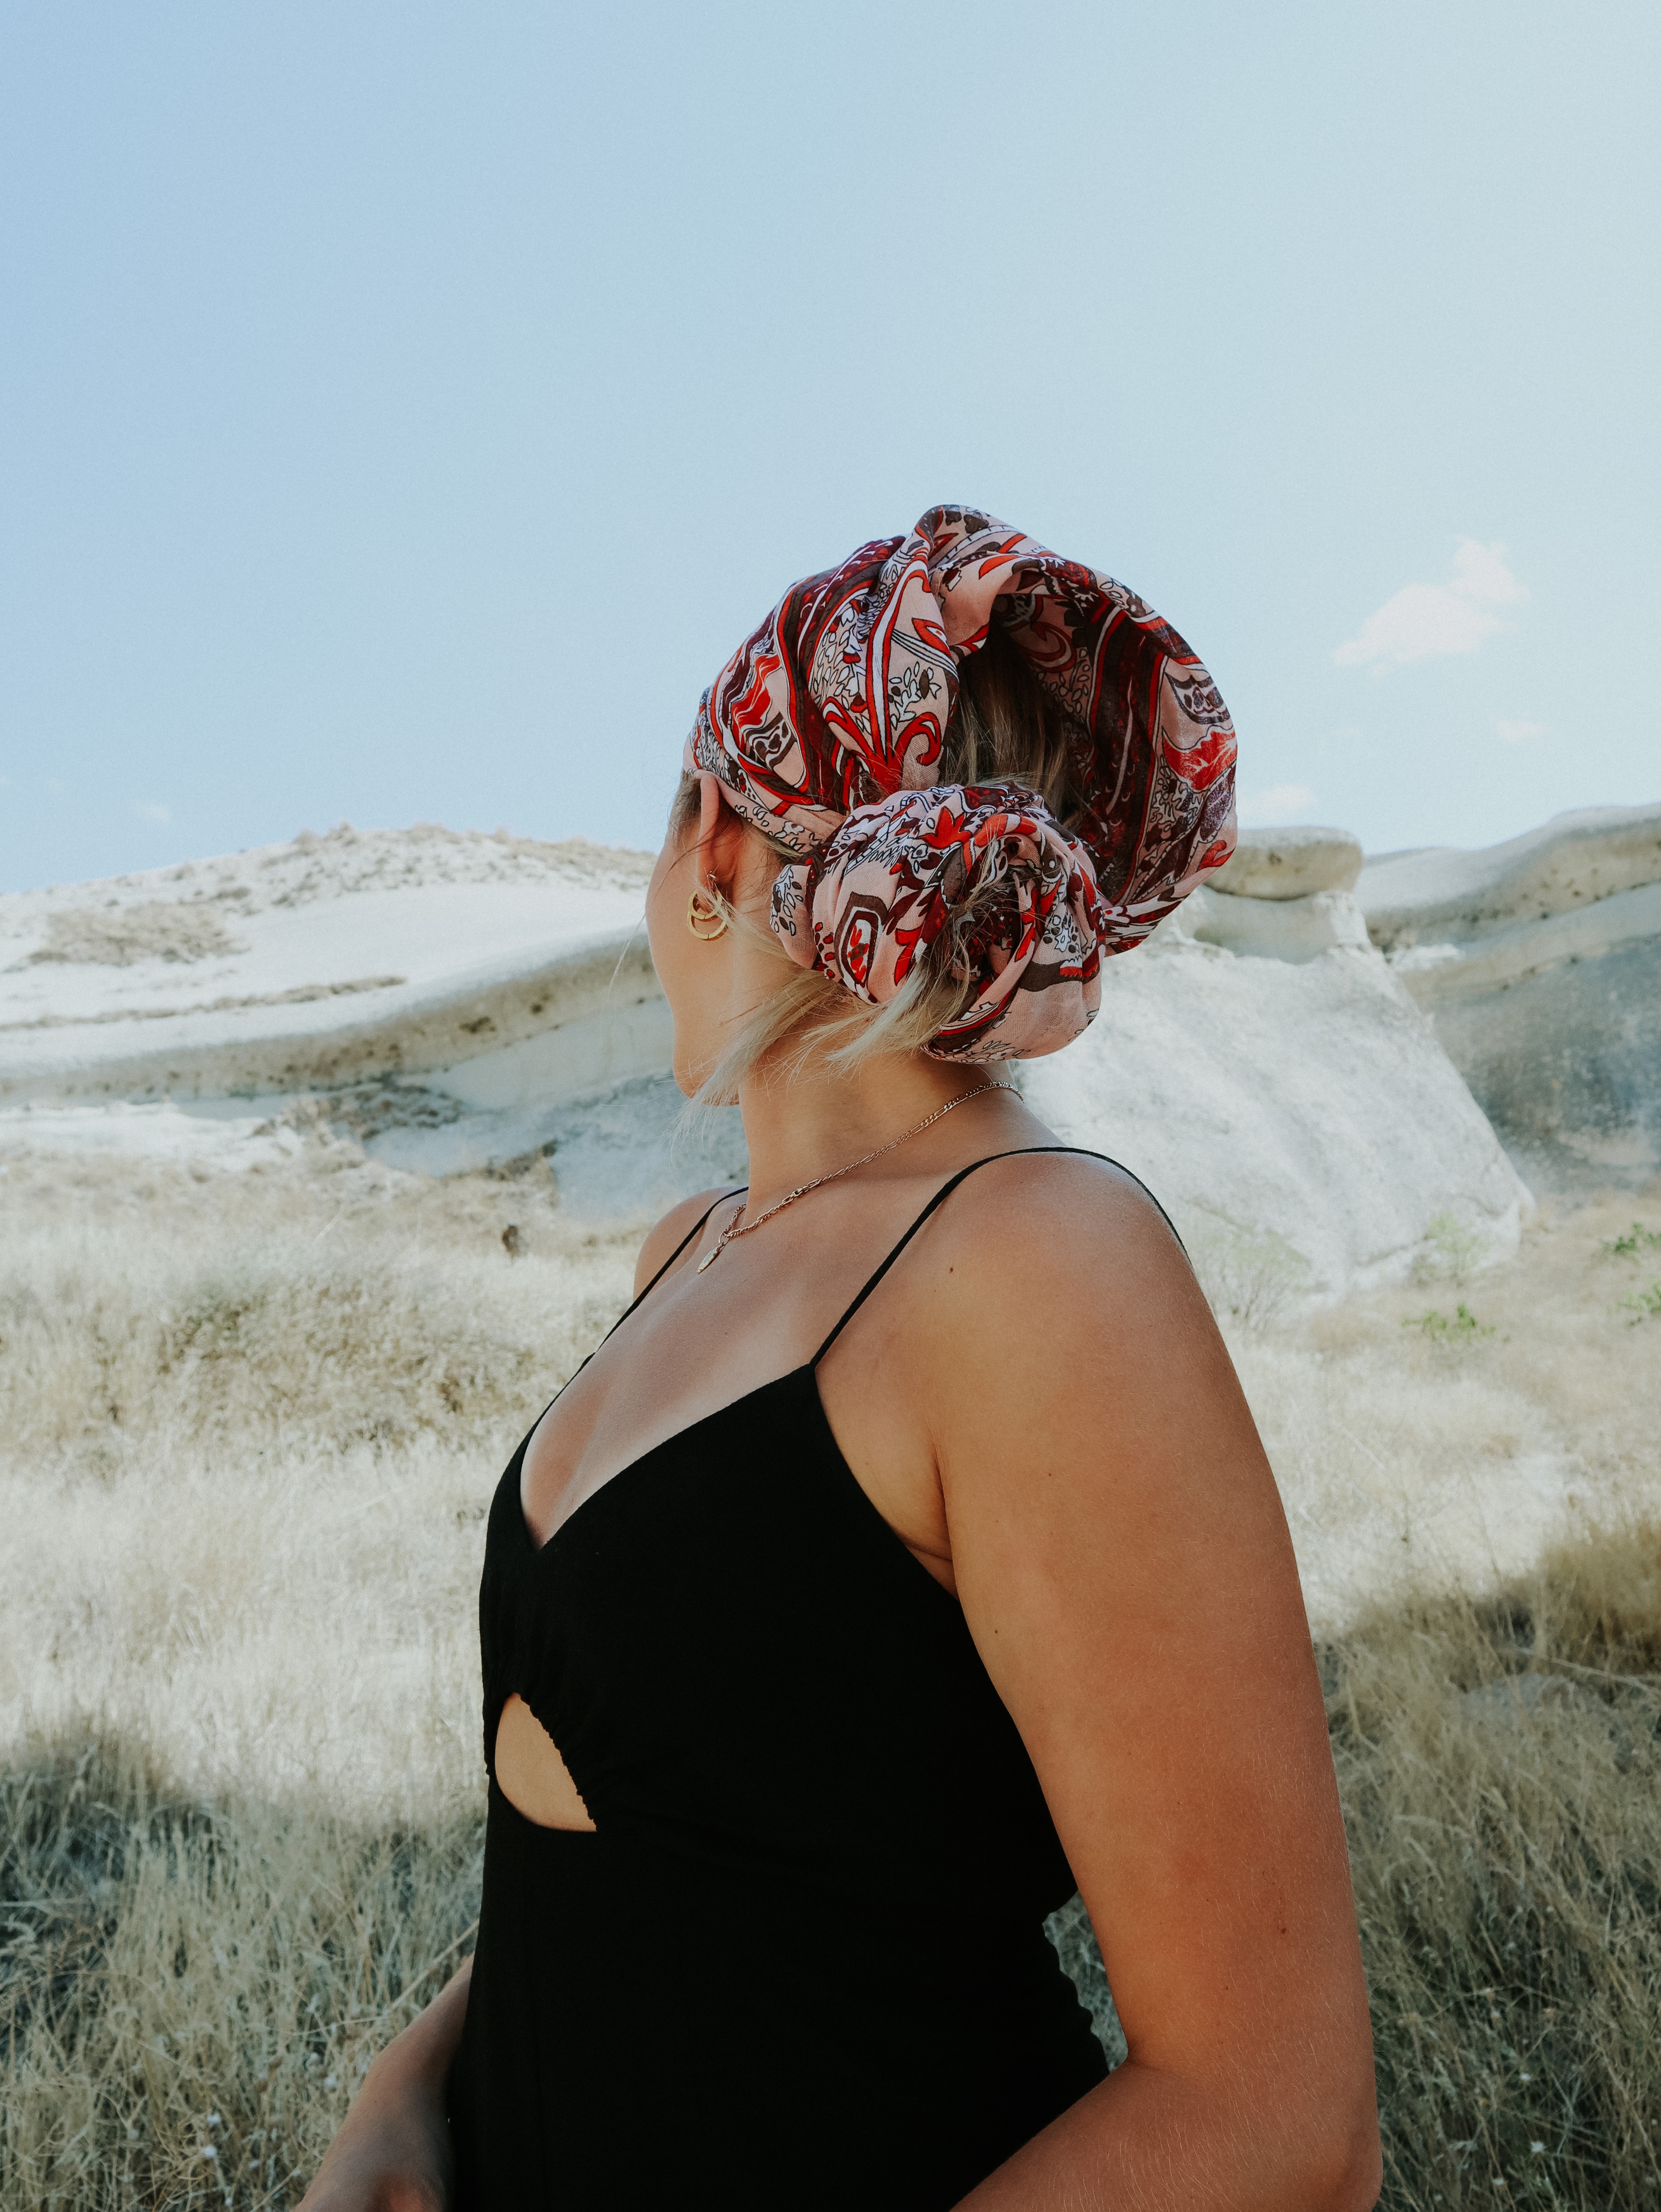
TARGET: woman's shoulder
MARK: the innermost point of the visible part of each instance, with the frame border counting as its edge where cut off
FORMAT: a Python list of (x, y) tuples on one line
[(666, 1236), (1065, 1296), (1041, 1189), (1060, 1227)]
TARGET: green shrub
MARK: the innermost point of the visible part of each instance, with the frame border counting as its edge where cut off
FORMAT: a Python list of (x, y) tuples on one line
[(1637, 1241), (1462, 1328)]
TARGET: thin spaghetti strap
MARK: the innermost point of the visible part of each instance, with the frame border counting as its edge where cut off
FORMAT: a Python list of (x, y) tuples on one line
[(695, 1231), (629, 1308), (1020, 1152)]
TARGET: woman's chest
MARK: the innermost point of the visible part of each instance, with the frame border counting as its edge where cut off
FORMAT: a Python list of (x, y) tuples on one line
[(729, 1639), (630, 1404)]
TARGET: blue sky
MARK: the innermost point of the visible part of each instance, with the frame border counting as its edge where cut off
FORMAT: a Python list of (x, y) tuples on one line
[(403, 409)]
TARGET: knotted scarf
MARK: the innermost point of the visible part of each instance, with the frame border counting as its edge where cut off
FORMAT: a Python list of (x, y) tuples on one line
[(826, 730)]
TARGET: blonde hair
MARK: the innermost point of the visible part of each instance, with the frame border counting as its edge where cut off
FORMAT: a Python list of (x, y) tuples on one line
[(1006, 728)]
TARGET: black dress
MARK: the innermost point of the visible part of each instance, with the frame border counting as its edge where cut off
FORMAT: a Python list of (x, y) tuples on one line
[(800, 1962)]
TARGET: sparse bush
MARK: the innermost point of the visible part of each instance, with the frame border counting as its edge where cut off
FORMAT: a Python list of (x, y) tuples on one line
[(1633, 1244), (1594, 1599), (1249, 1275), (1462, 1328), (151, 929), (1645, 1303), (1070, 1931), (1455, 1248)]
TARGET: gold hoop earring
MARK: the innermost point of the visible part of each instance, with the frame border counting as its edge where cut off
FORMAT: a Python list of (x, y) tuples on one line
[(694, 915)]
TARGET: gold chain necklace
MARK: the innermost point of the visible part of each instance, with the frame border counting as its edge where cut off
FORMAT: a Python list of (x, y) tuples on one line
[(732, 1229)]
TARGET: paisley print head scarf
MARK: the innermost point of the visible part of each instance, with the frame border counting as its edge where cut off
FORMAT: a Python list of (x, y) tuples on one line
[(825, 729)]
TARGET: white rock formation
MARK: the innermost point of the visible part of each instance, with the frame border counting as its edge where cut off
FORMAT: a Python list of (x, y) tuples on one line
[(1539, 964), (1301, 1125), (445, 996), (1292, 929), (1290, 864), (336, 960), (455, 1001), (1285, 895)]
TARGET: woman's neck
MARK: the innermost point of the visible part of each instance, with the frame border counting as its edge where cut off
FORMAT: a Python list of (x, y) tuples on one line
[(815, 1120)]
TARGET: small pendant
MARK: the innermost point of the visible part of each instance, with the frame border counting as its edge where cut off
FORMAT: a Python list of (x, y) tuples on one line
[(707, 1261)]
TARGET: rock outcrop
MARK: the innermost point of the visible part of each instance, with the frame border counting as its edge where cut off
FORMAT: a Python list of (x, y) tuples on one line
[(1538, 962), (1290, 864), (457, 1001), (1305, 1131), (1286, 895), (332, 961)]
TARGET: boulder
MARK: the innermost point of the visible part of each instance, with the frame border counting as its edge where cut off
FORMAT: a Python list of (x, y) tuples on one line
[(1285, 895), (1294, 929), (1297, 1119), (444, 1001)]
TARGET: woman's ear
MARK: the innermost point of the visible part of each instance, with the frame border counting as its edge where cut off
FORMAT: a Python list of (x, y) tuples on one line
[(721, 842)]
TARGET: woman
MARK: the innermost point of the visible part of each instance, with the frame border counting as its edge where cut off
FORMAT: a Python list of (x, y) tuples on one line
[(907, 1556)]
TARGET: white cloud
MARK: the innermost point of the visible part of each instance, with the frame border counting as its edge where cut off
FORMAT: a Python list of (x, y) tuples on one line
[(1430, 622), (1268, 808), (1517, 733), (152, 810)]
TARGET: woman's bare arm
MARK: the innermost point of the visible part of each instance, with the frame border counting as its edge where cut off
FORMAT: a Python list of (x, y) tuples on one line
[(1125, 1568), (392, 2153)]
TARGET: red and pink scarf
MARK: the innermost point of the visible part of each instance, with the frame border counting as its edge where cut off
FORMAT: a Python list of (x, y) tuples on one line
[(825, 729)]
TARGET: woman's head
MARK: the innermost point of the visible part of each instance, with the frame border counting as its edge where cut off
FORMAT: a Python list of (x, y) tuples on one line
[(939, 783), (735, 992)]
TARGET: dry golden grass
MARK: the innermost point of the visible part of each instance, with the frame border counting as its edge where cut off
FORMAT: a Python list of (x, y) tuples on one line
[(189, 1994), (1500, 1767), (1413, 1459), (248, 1427)]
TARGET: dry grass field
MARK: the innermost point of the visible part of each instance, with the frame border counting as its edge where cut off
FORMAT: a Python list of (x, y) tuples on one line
[(249, 1428)]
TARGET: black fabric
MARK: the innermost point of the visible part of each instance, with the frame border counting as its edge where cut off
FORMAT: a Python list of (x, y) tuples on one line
[(801, 1960)]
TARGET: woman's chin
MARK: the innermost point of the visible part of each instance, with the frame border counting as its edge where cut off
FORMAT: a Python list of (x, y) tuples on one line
[(686, 1074)]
